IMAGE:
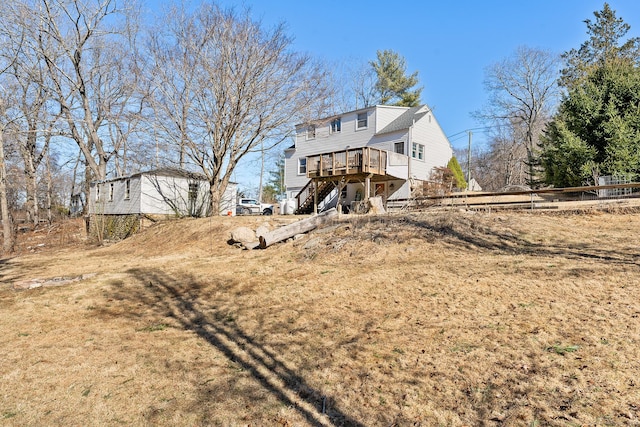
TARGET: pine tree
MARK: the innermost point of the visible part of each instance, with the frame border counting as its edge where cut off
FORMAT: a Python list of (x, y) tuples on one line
[(597, 128), (603, 46), (275, 184)]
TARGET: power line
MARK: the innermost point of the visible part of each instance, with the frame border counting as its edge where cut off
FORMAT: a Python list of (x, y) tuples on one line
[(468, 130)]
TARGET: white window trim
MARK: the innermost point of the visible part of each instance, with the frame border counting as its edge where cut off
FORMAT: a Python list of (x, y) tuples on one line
[(417, 149), (300, 164), (398, 143), (339, 121), (309, 136), (358, 121), (193, 189), (127, 189)]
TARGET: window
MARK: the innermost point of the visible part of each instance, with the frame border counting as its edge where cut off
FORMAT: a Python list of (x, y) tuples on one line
[(398, 147), (362, 121), (97, 192), (417, 151), (193, 192), (311, 132), (302, 166), (127, 189), (336, 125), (111, 192)]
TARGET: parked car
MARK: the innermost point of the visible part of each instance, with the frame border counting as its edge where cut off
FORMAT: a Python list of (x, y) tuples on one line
[(253, 207)]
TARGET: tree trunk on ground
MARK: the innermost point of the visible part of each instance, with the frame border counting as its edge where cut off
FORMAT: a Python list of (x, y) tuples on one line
[(302, 226)]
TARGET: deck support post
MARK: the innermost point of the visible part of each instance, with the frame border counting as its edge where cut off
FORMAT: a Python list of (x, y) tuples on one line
[(367, 187), (315, 197)]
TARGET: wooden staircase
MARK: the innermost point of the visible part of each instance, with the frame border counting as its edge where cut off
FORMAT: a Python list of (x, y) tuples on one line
[(305, 197)]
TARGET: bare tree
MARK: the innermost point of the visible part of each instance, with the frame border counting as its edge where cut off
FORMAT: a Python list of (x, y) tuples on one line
[(7, 221), (227, 87), (87, 47), (35, 127), (9, 38), (362, 81), (522, 95)]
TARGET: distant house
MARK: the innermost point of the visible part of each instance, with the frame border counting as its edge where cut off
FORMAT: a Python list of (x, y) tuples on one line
[(376, 151), (165, 192), (77, 204)]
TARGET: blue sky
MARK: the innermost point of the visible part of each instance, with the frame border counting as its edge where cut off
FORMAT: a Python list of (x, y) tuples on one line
[(450, 43)]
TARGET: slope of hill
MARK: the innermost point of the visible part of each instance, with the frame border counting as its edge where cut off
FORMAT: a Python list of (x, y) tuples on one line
[(416, 319)]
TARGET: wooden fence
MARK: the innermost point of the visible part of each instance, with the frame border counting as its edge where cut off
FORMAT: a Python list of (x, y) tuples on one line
[(546, 198)]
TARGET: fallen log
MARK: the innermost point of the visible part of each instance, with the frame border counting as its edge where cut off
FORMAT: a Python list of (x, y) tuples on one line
[(299, 227)]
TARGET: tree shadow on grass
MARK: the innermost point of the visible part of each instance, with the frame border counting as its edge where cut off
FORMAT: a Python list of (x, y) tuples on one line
[(466, 233), (4, 264), (181, 298), (17, 270)]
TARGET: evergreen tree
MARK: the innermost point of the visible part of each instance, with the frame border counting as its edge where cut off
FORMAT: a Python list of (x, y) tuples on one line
[(605, 44), (275, 184), (455, 168), (596, 130), (394, 85)]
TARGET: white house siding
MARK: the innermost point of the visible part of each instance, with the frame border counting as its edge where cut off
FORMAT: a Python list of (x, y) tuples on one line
[(228, 200), (156, 188), (398, 165), (118, 205), (437, 152), (385, 114), (146, 196), (325, 142), (176, 189), (387, 140)]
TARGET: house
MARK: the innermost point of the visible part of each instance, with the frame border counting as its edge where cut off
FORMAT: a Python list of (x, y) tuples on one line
[(382, 150), (159, 192), (77, 204)]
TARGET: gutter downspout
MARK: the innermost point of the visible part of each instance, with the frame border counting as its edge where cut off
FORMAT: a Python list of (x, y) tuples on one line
[(409, 145)]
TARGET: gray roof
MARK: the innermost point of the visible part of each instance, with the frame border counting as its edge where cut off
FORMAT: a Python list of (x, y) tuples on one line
[(174, 172), (166, 171), (406, 119)]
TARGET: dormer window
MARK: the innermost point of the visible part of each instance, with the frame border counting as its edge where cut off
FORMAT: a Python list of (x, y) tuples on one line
[(311, 132), (336, 125), (362, 121)]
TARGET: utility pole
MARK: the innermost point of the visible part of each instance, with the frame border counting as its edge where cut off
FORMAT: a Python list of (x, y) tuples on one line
[(469, 162)]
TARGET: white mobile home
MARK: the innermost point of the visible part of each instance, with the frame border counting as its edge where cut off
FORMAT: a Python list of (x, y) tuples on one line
[(158, 192)]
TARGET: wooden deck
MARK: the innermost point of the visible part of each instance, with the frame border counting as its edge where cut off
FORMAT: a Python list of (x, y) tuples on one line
[(364, 160), (327, 171)]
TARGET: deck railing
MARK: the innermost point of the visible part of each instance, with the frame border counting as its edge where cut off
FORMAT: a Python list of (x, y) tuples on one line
[(348, 162)]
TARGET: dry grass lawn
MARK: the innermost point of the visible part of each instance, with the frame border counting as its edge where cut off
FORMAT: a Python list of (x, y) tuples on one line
[(452, 319)]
